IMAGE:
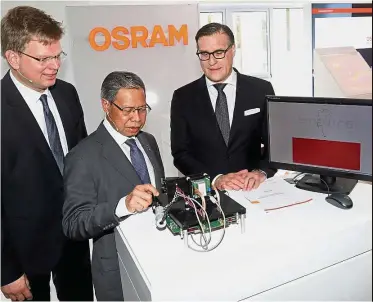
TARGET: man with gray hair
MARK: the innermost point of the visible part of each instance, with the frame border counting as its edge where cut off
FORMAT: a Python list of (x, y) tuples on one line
[(110, 176)]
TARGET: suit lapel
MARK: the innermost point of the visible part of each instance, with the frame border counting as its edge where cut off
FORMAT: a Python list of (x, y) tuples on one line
[(115, 156), (64, 113), (25, 117), (239, 108)]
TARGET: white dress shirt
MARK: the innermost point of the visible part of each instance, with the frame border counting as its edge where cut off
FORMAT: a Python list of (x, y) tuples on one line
[(32, 99), (121, 209), (229, 90), (230, 93)]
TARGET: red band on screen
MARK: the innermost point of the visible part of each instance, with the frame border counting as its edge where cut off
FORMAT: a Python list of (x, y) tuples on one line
[(334, 154)]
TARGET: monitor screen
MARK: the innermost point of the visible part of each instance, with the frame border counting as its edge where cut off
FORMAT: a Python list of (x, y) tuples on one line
[(325, 135)]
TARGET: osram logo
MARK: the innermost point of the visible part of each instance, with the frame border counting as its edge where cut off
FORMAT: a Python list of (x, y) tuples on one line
[(121, 37)]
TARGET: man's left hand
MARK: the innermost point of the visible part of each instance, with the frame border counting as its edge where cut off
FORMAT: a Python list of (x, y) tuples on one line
[(253, 180)]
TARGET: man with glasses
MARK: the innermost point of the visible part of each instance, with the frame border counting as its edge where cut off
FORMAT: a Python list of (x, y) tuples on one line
[(218, 122), (111, 175), (41, 119)]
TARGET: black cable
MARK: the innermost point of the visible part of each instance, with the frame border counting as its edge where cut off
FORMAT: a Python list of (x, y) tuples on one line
[(296, 176), (327, 186)]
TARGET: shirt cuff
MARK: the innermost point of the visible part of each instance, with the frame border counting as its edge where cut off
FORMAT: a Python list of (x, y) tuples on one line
[(215, 178), (121, 209)]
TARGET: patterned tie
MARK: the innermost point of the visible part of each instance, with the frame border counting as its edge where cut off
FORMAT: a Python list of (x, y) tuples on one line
[(53, 135), (138, 161), (221, 112)]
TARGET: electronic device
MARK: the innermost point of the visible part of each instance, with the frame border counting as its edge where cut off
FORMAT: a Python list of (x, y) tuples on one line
[(339, 200), (189, 206), (328, 138)]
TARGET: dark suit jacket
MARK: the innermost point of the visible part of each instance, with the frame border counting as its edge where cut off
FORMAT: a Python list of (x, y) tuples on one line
[(97, 175), (31, 183), (196, 141)]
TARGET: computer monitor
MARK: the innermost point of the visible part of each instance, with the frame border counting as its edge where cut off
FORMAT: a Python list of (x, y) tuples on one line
[(329, 138)]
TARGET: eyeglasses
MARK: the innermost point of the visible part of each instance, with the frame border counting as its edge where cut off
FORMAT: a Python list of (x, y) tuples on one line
[(218, 54), (44, 61), (126, 111)]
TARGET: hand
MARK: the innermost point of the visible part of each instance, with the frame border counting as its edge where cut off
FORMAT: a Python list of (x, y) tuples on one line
[(18, 290), (140, 198), (231, 181), (253, 180)]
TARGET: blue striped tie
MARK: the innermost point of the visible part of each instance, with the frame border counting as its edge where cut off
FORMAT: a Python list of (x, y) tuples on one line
[(138, 161), (53, 135)]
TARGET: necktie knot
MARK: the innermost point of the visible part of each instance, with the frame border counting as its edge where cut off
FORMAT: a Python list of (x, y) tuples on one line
[(220, 87), (131, 142), (138, 161), (44, 101)]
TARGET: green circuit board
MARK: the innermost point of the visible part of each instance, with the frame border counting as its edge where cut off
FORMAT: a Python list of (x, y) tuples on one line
[(215, 224)]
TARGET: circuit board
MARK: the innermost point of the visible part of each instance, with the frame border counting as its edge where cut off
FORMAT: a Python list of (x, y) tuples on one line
[(215, 225)]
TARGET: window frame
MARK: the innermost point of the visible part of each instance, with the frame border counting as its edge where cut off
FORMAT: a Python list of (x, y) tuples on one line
[(228, 9)]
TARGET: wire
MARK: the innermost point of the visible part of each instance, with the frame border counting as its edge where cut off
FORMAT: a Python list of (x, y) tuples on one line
[(208, 249), (187, 198), (296, 176), (327, 186), (217, 196), (198, 192), (205, 235)]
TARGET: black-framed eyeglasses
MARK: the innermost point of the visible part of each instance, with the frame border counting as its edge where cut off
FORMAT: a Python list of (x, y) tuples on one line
[(218, 54), (44, 61), (126, 111)]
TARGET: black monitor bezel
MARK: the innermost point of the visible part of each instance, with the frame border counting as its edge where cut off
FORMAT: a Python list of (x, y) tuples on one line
[(307, 169)]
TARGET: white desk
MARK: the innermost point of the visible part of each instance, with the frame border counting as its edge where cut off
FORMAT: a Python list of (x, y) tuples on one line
[(312, 251)]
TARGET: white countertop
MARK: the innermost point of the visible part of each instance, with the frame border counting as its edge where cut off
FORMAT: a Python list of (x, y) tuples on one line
[(276, 248)]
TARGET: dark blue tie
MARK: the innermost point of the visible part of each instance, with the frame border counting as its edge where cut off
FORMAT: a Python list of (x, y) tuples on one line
[(53, 135), (138, 161)]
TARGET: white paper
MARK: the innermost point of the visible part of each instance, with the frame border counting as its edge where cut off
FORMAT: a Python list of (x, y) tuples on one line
[(275, 193)]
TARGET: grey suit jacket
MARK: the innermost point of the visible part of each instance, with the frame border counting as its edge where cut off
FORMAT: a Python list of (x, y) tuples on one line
[(97, 175)]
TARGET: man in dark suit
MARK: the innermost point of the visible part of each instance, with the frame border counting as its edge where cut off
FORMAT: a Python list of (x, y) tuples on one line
[(110, 176), (41, 119), (218, 122)]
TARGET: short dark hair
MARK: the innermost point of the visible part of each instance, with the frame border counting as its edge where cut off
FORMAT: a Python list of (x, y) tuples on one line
[(116, 80), (23, 23), (213, 28)]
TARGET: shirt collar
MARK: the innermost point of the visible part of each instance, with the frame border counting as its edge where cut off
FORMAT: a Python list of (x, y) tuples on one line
[(30, 95), (119, 138), (231, 80)]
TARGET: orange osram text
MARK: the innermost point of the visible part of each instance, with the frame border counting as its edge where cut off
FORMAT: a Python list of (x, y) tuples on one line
[(121, 37)]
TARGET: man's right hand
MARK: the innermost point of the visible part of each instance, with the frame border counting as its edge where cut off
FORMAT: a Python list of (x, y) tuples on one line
[(18, 290), (140, 198), (231, 181)]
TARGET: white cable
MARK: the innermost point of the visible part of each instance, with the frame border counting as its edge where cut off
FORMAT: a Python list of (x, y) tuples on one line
[(223, 233), (187, 198), (199, 221), (193, 202)]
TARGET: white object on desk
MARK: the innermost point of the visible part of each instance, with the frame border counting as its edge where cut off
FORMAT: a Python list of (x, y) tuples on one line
[(275, 193), (313, 252)]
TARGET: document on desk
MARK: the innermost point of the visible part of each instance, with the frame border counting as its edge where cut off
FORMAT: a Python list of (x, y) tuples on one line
[(275, 193)]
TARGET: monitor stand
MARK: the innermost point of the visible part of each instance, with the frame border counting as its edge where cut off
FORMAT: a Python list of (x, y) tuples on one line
[(317, 183)]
